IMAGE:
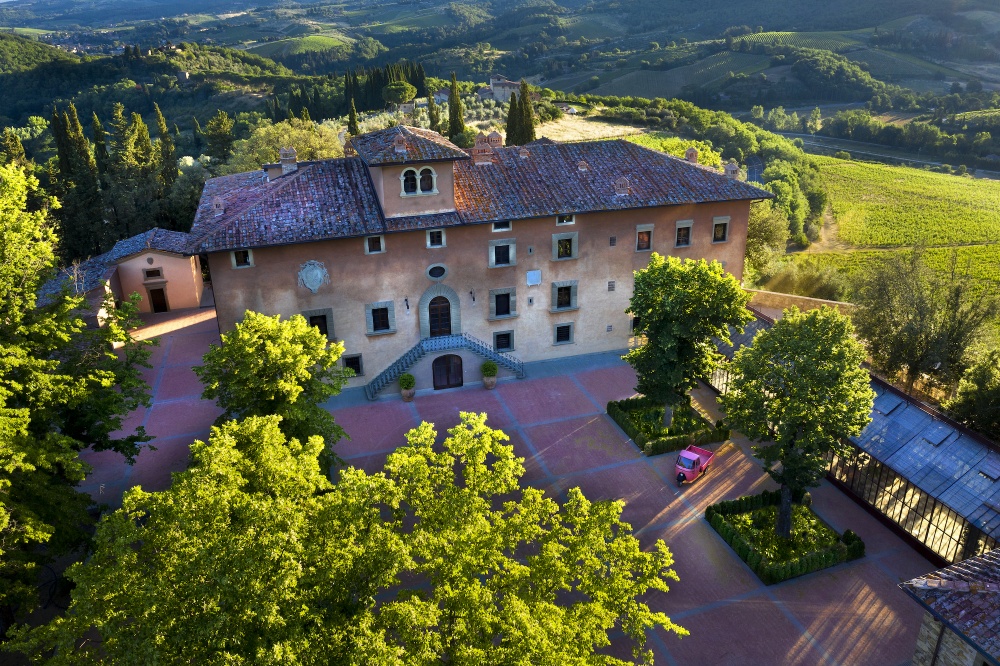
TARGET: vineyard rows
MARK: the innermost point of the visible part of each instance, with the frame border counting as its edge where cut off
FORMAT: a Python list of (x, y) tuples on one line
[(831, 41)]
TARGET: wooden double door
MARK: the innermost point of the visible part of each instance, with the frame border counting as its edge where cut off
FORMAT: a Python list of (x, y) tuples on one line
[(439, 316), (447, 371)]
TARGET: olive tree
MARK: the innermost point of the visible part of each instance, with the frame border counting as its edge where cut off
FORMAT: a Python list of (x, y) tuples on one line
[(799, 391), (681, 306)]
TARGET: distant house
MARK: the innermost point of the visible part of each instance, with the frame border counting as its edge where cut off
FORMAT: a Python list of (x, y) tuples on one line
[(442, 95), (567, 109), (502, 88), (961, 625)]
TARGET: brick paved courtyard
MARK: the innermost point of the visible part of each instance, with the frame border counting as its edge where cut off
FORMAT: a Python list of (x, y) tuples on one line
[(850, 614)]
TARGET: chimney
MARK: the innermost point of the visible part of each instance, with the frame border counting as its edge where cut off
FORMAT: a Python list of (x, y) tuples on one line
[(482, 151), (582, 166), (523, 153), (218, 206), (399, 144), (494, 139), (289, 161), (691, 155), (622, 187), (732, 171)]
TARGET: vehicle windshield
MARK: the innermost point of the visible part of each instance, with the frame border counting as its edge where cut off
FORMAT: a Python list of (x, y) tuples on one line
[(686, 463)]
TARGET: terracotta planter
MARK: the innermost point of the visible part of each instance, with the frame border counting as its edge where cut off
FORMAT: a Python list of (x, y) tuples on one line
[(489, 382), (408, 394)]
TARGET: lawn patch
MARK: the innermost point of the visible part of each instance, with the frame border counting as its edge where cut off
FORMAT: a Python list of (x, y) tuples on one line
[(642, 420), (747, 525)]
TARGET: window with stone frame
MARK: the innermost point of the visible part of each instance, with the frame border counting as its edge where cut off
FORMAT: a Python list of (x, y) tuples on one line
[(503, 303), (322, 319), (563, 334), (564, 295), (353, 361), (565, 246), (380, 318), (242, 258), (410, 181), (374, 244), (435, 238), (503, 252), (683, 237), (644, 238), (720, 229), (503, 341)]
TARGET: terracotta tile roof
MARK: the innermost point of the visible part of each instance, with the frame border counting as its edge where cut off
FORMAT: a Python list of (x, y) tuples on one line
[(335, 198), (966, 597), (379, 148)]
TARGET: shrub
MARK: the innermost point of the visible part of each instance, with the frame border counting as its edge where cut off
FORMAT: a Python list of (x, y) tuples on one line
[(407, 381), (842, 155), (489, 369)]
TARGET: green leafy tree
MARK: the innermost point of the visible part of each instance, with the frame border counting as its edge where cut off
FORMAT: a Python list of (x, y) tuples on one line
[(62, 389), (352, 120), (456, 110), (433, 114), (767, 234), (398, 92), (977, 400), (311, 142), (76, 183), (916, 320), (681, 306), (815, 122), (526, 126), (11, 148), (800, 391), (513, 132), (218, 134), (253, 556), (287, 368)]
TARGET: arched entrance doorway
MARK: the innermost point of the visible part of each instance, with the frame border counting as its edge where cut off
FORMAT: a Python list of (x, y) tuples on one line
[(439, 316), (447, 371)]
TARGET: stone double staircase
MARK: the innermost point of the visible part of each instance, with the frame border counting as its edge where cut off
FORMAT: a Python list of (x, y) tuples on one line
[(439, 344)]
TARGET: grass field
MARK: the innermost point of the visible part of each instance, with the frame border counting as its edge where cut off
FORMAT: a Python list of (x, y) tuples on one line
[(574, 128), (297, 45), (830, 41), (651, 83), (881, 205)]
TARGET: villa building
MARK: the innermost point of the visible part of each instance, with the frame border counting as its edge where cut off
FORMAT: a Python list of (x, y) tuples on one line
[(411, 246)]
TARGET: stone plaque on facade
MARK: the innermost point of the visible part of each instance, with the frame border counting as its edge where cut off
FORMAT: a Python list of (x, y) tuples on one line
[(313, 275)]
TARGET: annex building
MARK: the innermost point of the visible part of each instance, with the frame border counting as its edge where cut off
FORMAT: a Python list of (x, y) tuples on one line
[(425, 258)]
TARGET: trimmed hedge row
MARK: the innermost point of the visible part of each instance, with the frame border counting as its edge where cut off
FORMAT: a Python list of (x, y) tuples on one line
[(619, 410), (850, 546)]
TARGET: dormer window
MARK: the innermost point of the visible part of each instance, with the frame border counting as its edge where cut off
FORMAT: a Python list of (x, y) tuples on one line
[(416, 182)]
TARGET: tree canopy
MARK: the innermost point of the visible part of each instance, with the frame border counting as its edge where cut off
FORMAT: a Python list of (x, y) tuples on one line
[(311, 142), (799, 391), (977, 400), (253, 556), (398, 92), (266, 367), (680, 306)]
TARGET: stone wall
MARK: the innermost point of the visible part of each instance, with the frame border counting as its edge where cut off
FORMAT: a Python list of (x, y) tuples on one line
[(773, 300), (953, 651)]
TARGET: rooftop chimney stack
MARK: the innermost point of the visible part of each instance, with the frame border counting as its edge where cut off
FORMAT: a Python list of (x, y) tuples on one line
[(582, 166), (399, 144), (482, 151), (289, 161), (691, 155), (218, 206), (523, 153), (732, 170), (494, 139)]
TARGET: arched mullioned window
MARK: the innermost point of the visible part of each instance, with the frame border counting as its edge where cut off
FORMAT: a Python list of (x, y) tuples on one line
[(410, 181), (422, 182)]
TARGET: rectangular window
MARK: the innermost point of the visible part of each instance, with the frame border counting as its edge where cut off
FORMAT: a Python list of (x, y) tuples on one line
[(319, 321), (380, 318), (502, 226), (565, 246), (611, 285), (374, 244), (565, 220), (152, 273), (503, 303), (644, 238), (354, 363), (614, 241), (636, 324), (563, 334), (503, 341), (503, 252), (720, 230), (564, 295), (683, 238), (242, 258), (435, 238)]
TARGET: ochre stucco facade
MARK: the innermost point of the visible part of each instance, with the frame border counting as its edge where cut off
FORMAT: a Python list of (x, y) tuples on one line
[(180, 278), (399, 275)]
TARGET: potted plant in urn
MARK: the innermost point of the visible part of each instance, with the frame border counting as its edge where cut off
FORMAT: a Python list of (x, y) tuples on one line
[(406, 384), (489, 369)]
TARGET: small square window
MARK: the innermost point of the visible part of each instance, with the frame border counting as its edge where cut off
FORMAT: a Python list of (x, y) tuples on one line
[(563, 334), (503, 303), (374, 245), (503, 341), (435, 238), (354, 363), (643, 240), (565, 220), (564, 295), (502, 226), (380, 319), (720, 230), (614, 241), (501, 255), (565, 246), (242, 258), (319, 321), (683, 236), (611, 285)]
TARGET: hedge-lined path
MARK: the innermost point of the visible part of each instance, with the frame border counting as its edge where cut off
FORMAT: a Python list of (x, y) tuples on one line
[(850, 614)]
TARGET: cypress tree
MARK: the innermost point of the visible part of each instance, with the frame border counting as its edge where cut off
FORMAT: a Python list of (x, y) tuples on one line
[(433, 114), (305, 114), (456, 111), (513, 128), (59, 136), (167, 159), (12, 148), (352, 121), (101, 157), (196, 130), (527, 124)]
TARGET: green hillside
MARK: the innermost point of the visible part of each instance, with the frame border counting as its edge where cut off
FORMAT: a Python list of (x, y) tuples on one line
[(297, 46), (18, 54)]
